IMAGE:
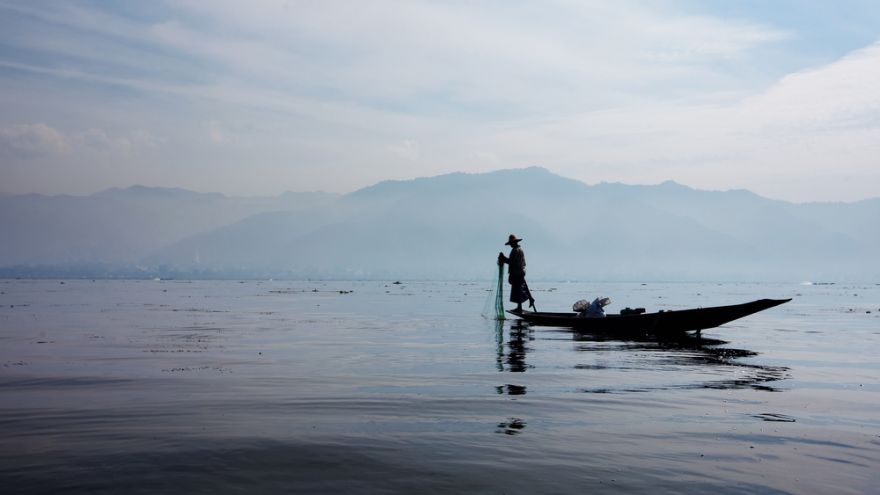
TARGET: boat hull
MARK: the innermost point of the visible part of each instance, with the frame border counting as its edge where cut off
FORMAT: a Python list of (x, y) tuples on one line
[(663, 322)]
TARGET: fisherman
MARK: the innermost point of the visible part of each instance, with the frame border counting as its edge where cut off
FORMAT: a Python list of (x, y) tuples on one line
[(516, 274)]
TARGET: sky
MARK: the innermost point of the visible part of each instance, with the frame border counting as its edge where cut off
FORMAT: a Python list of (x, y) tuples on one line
[(260, 97)]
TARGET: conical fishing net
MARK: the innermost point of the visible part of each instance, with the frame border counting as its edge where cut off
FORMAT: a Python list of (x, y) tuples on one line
[(493, 308)]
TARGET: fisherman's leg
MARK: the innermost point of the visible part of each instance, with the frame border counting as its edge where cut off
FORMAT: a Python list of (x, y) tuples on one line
[(528, 293), (519, 292)]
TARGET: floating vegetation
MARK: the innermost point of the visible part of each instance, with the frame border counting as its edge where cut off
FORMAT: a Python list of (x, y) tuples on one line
[(300, 291), (198, 310), (218, 369)]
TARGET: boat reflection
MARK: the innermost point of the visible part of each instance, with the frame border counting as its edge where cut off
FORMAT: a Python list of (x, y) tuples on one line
[(697, 363)]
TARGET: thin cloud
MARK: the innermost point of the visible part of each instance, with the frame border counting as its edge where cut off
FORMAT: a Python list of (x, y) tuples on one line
[(398, 55), (39, 140), (31, 140), (619, 91)]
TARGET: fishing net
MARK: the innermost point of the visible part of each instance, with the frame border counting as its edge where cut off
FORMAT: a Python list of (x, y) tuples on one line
[(493, 308)]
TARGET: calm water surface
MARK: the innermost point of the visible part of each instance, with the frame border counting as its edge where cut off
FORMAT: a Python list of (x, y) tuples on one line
[(373, 387)]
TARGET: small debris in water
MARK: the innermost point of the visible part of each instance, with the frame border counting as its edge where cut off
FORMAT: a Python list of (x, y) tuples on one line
[(511, 427), (774, 417)]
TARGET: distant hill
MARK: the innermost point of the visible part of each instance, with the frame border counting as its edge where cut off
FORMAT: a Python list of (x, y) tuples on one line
[(122, 225), (452, 227)]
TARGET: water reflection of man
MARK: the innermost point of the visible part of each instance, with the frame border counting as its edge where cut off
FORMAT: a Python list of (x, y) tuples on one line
[(515, 354), (516, 363), (516, 274)]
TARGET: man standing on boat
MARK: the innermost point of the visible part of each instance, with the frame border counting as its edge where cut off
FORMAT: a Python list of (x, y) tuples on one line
[(516, 273)]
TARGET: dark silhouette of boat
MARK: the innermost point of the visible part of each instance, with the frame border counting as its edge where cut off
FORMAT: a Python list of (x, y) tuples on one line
[(659, 323)]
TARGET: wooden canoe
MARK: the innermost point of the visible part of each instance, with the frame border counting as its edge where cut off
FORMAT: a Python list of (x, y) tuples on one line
[(662, 322)]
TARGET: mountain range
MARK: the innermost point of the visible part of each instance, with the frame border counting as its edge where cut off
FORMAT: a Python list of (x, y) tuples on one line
[(445, 227)]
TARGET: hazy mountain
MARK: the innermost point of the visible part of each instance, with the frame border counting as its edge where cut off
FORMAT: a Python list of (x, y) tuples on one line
[(451, 226), (122, 225)]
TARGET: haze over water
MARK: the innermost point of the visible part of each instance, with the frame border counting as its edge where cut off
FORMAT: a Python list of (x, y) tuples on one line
[(340, 387)]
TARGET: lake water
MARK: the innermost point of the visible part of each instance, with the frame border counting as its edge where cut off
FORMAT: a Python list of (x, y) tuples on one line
[(374, 387)]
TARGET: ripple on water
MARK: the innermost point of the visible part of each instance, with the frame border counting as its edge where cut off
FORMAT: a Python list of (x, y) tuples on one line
[(270, 387)]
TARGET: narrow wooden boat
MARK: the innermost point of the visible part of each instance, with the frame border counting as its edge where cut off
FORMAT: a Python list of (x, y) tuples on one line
[(663, 322)]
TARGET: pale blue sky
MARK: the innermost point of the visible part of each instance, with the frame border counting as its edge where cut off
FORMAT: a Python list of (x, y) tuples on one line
[(260, 97)]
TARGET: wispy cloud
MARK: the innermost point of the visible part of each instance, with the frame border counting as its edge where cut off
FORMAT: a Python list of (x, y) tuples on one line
[(39, 140), (808, 128), (629, 91), (411, 56), (29, 140)]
